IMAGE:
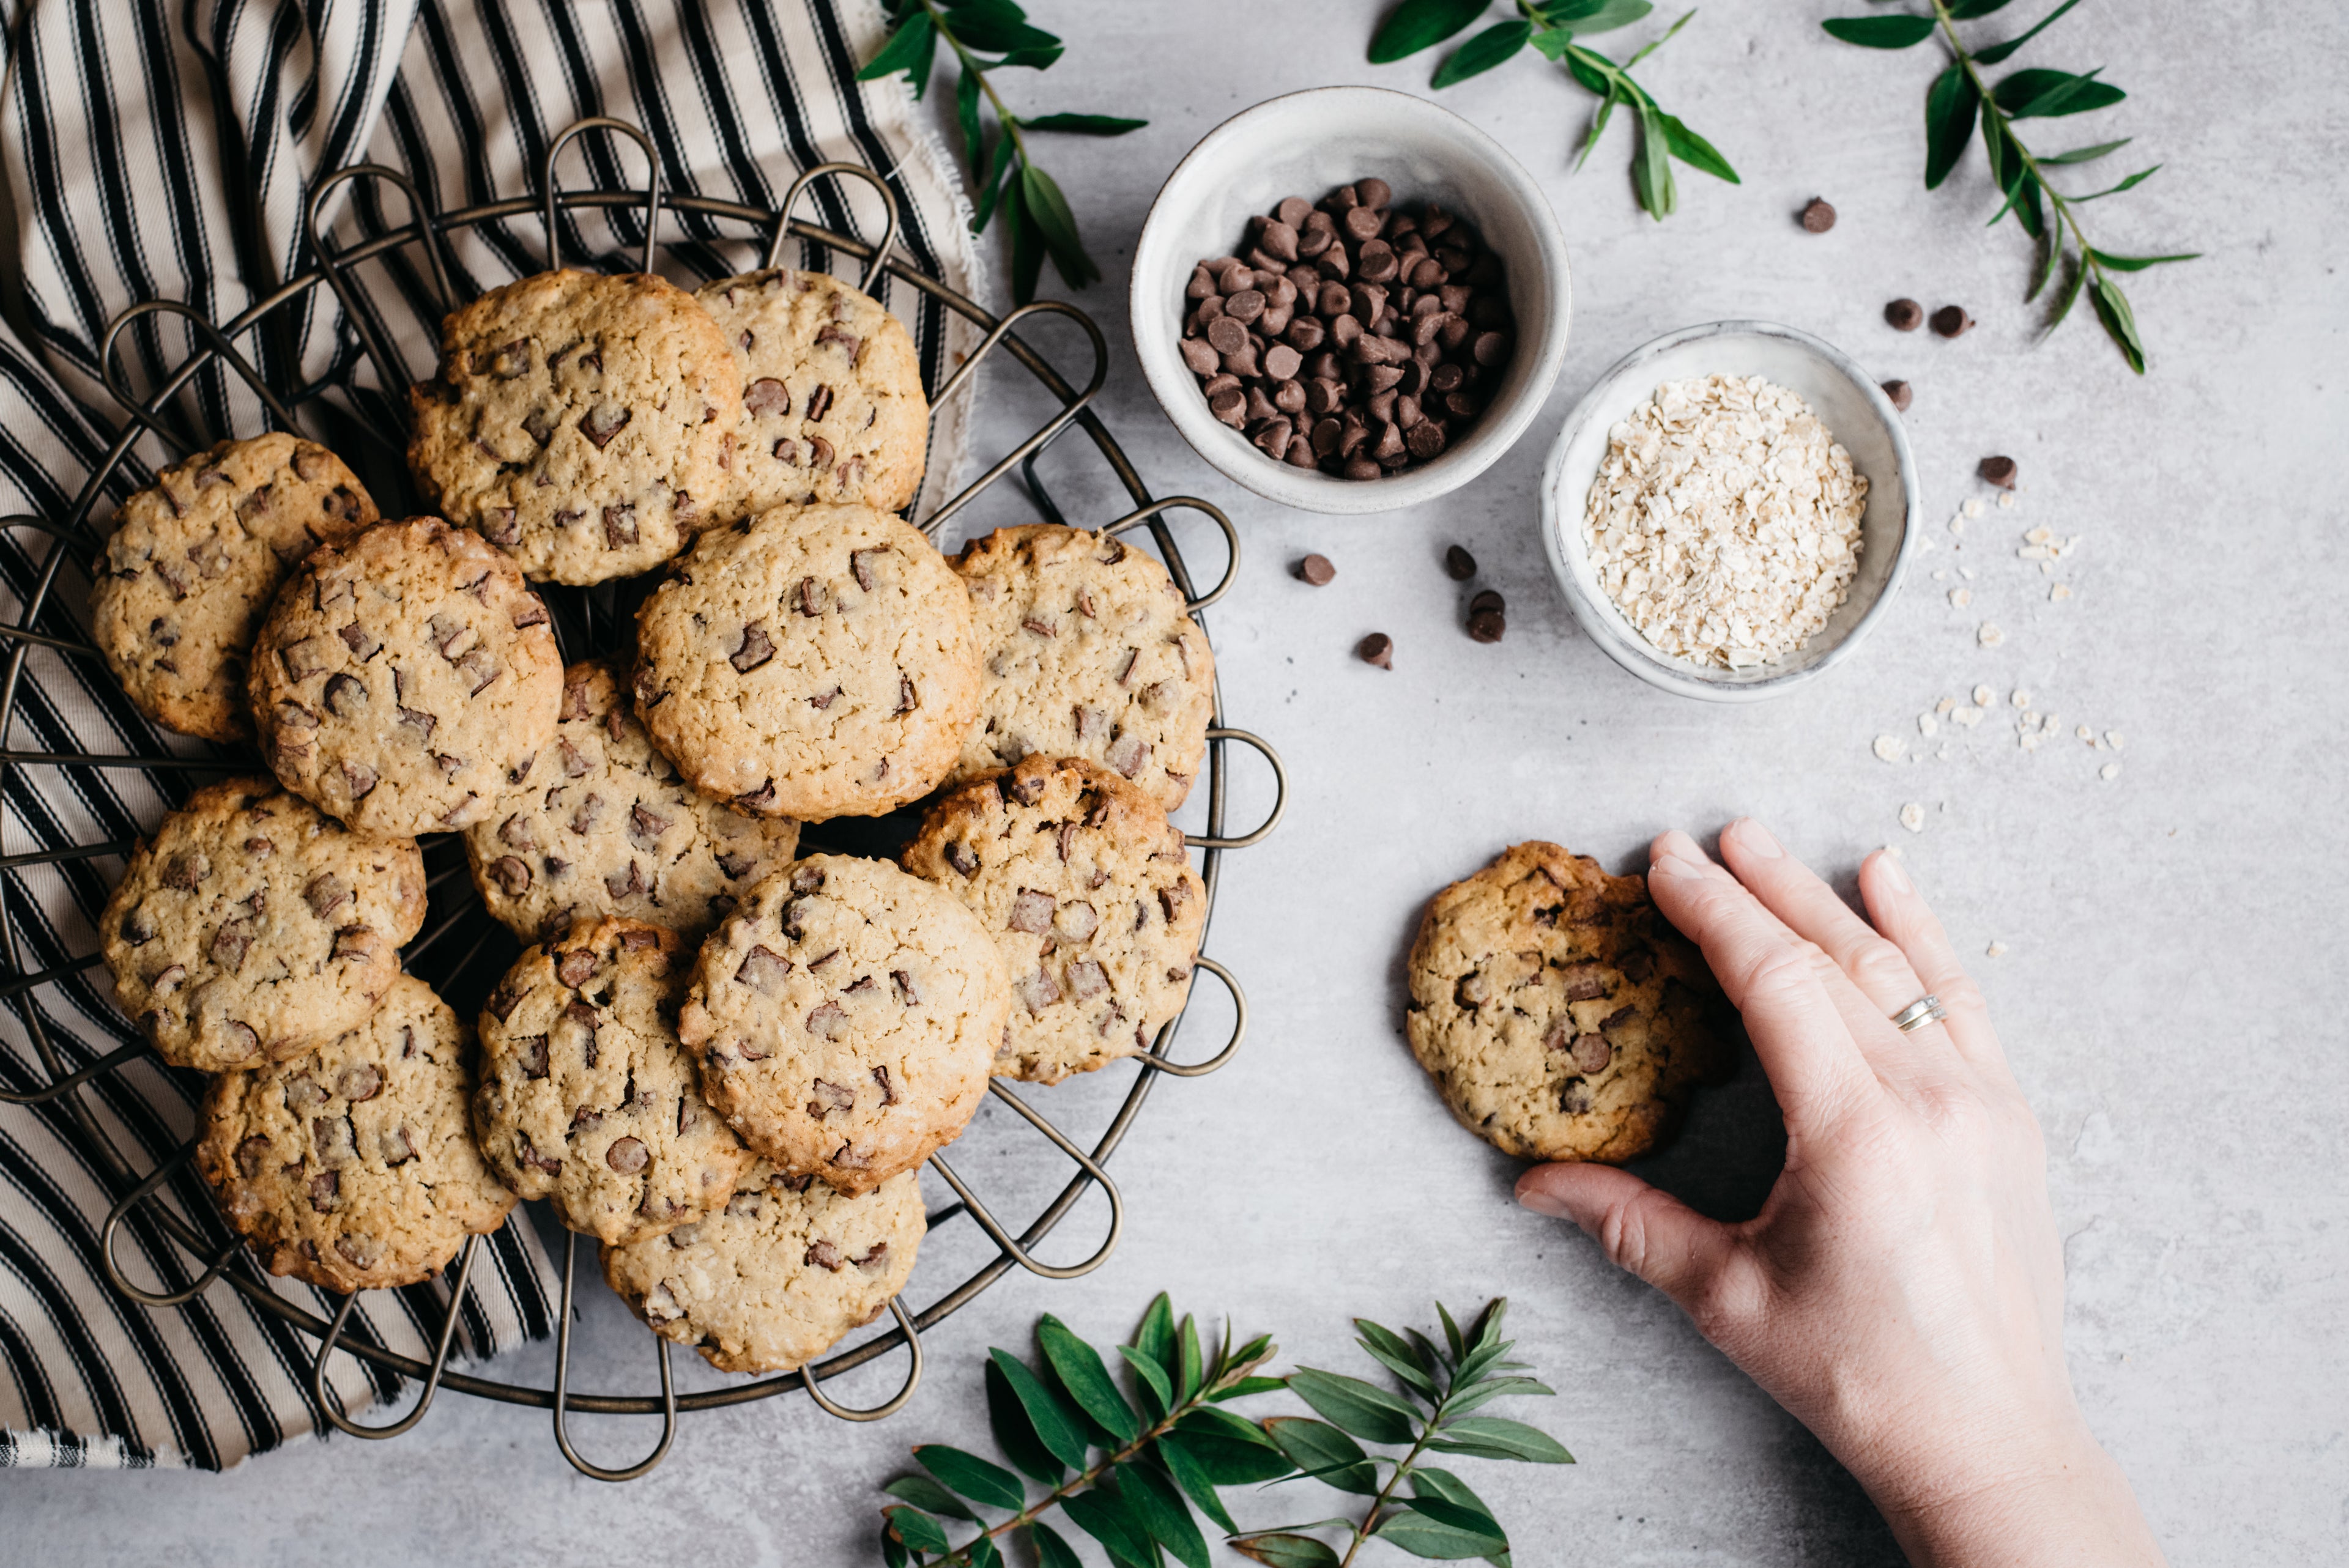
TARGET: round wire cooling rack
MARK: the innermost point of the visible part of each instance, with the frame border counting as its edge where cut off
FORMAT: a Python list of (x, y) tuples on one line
[(460, 949)]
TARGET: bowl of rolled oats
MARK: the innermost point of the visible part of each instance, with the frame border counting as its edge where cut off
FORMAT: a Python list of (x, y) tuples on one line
[(1730, 510)]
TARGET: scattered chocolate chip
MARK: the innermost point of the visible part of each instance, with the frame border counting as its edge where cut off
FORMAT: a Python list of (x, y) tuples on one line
[(1486, 599), (1951, 321), (1900, 395), (1905, 315), (1378, 648), (1998, 472), (1818, 217), (1315, 570), (1487, 625)]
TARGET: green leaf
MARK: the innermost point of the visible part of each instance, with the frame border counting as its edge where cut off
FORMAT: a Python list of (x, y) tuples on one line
[(1194, 1369), (1189, 1475), (1050, 209), (2051, 252), (2027, 210), (2131, 183), (967, 116), (909, 49), (1951, 104), (1593, 71), (1451, 1332), (1482, 52), (1651, 165), (1431, 1527), (993, 187), (1153, 1379), (982, 1552), (1247, 1356), (2070, 293), (1552, 43), (1427, 1480), (1229, 1451), (2119, 321), (1498, 1438), (2139, 264), (1327, 1453), (1997, 148), (1285, 1549), (915, 1529), (2087, 154), (1397, 1358), (1362, 1409), (1495, 1388), (1696, 151), (1027, 246), (1594, 16), (1051, 1552), (2033, 92), (1155, 1336), (1102, 1514), (981, 1480), (1246, 1386), (1967, 10), (1047, 1415), (1415, 25), (999, 26), (1084, 124), (1153, 1500), (1654, 44), (1080, 1367), (1880, 32), (1997, 52), (1486, 1334), (893, 1551), (930, 1496)]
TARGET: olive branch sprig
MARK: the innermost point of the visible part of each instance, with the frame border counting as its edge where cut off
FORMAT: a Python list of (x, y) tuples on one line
[(984, 36), (1133, 1466), (1961, 95)]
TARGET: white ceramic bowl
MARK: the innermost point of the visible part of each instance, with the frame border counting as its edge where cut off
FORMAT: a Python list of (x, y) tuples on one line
[(1840, 393), (1308, 144)]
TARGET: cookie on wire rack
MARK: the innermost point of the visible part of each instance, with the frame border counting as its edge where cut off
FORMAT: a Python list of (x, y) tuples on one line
[(846, 1016), (1558, 1013), (193, 562), (1089, 652), (1090, 896), (587, 1098), (810, 662), (406, 681), (602, 824), (579, 421), (833, 406), (251, 927), (778, 1275), (354, 1167)]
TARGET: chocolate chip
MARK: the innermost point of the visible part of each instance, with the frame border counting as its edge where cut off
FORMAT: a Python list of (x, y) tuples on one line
[(1905, 315), (1900, 395), (1378, 648), (627, 1155), (1486, 599), (1998, 472), (1818, 217), (1316, 569), (1951, 321), (1487, 625), (603, 422)]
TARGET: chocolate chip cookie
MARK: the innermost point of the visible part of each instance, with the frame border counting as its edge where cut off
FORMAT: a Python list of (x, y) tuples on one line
[(1089, 893), (811, 662), (602, 824), (833, 409), (581, 422), (353, 1167), (587, 1098), (1560, 1014), (250, 927), (195, 559), (403, 682), (1089, 653), (846, 1016), (775, 1278)]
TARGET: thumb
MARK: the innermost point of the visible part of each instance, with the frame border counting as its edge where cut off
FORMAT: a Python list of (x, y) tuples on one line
[(1643, 1232)]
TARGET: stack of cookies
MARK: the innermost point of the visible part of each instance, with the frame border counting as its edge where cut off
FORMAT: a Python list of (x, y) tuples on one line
[(721, 1058)]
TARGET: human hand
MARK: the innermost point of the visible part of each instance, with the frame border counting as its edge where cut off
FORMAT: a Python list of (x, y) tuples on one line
[(1901, 1292)]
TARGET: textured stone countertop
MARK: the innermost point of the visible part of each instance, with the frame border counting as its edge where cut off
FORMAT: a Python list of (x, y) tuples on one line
[(2172, 987)]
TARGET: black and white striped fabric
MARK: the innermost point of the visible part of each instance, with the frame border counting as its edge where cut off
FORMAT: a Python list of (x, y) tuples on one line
[(167, 148)]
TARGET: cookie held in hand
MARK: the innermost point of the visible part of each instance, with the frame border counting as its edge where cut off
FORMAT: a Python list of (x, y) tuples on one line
[(1560, 1014)]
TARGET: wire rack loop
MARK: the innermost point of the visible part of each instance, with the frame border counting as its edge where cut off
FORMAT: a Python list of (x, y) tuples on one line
[(1136, 518), (389, 367), (121, 1212), (875, 264), (896, 1401), (553, 190), (1165, 1064), (1212, 839), (148, 414), (328, 1346), (562, 1388), (1072, 405)]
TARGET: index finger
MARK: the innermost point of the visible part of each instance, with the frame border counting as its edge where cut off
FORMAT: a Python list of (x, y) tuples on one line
[(1815, 1066)]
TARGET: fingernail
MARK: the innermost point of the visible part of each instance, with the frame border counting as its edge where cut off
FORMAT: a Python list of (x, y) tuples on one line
[(1673, 863), (1541, 1203), (1889, 872), (1756, 839)]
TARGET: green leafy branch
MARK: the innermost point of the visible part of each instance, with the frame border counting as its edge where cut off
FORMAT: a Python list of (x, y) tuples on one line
[(1130, 1465), (1549, 28), (1005, 176), (1961, 95)]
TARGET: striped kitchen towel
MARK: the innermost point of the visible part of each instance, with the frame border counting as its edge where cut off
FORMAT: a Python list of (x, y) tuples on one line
[(166, 149)]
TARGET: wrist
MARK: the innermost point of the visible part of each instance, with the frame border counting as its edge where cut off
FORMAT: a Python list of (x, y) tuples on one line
[(2061, 1501)]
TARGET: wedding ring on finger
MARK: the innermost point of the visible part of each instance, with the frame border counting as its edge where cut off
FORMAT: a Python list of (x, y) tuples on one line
[(1924, 1010)]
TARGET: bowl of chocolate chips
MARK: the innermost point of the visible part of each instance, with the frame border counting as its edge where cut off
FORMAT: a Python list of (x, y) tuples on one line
[(1351, 299)]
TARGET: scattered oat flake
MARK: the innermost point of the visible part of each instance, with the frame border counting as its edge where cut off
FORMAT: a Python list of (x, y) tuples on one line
[(2084, 733), (2061, 592), (1927, 725), (1972, 507), (2039, 535), (2021, 697), (1912, 817), (1958, 524), (2109, 771), (1961, 597), (1966, 572), (1995, 950), (1890, 749), (2113, 738), (1985, 697), (2028, 739), (1969, 717), (2007, 499), (2047, 569), (1943, 706), (2033, 552), (1989, 635)]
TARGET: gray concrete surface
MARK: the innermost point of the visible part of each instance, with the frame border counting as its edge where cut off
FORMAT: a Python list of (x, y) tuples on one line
[(2172, 990)]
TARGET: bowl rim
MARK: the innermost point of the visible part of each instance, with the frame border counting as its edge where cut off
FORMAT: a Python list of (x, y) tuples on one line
[(1309, 489), (1605, 625)]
